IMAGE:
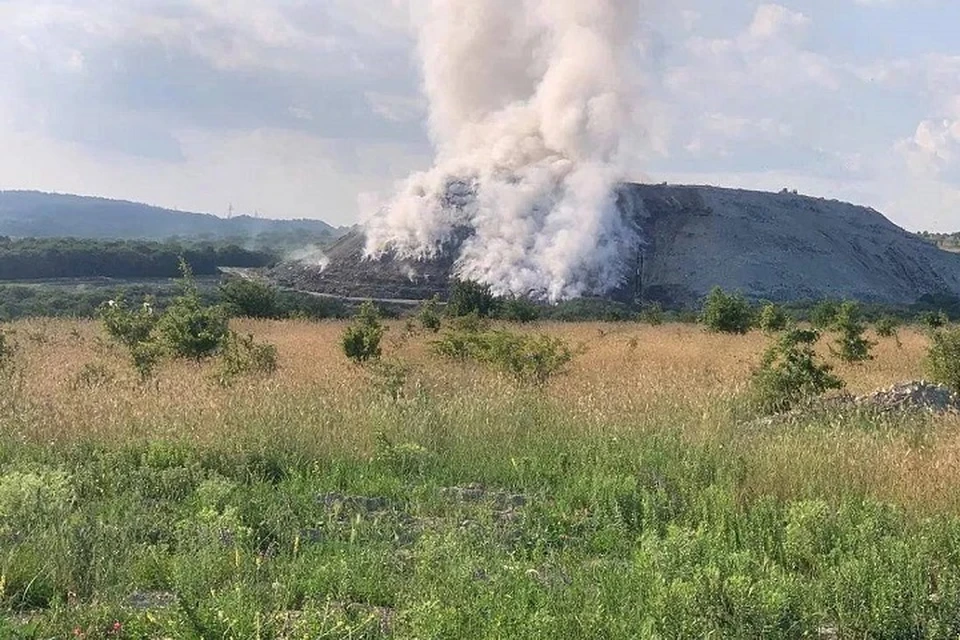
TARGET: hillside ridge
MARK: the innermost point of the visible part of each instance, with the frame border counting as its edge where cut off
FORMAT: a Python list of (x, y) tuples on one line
[(43, 214)]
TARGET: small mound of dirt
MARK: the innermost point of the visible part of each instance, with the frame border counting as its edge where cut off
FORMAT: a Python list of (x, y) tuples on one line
[(912, 396)]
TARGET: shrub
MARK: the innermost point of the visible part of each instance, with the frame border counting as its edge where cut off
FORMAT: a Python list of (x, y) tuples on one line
[(429, 315), (92, 375), (128, 326), (934, 320), (242, 355), (389, 378), (773, 319), (145, 356), (189, 328), (519, 310), (943, 358), (851, 343), (530, 360), (361, 340), (824, 314), (467, 297), (888, 327), (790, 373), (726, 313), (250, 298), (7, 351), (652, 314)]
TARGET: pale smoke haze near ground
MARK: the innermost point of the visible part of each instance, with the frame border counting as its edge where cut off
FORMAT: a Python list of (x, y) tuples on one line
[(529, 102)]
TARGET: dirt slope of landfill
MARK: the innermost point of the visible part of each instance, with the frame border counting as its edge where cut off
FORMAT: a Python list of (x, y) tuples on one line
[(775, 246)]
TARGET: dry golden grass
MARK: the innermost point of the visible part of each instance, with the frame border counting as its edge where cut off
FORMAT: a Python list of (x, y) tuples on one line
[(627, 378)]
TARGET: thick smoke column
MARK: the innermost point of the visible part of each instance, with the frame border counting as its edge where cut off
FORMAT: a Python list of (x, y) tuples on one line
[(529, 103)]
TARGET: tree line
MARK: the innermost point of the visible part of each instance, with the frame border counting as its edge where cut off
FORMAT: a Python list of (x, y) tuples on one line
[(44, 258)]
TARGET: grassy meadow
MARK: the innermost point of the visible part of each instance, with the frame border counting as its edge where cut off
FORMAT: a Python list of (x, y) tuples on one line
[(633, 497)]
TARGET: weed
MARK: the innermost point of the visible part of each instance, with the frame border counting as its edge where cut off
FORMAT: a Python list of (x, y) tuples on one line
[(92, 375)]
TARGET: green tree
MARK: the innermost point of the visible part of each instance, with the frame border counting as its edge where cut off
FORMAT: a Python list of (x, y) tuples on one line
[(726, 313), (249, 298), (467, 297), (361, 340)]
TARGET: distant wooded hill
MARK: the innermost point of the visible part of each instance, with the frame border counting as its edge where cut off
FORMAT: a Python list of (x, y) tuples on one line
[(45, 258), (44, 215)]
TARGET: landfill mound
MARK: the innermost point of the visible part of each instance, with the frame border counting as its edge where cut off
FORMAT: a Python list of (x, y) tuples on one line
[(773, 246)]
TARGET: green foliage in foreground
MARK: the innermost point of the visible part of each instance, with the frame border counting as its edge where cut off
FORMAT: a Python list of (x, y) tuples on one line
[(943, 360), (529, 529)]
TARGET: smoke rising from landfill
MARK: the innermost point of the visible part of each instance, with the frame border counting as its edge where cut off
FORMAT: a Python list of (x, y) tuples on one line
[(529, 103)]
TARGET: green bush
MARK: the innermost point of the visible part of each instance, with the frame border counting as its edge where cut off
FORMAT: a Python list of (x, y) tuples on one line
[(429, 315), (531, 360), (852, 346), (242, 355), (361, 340), (824, 314), (888, 327), (934, 319), (189, 328), (726, 313), (652, 314), (250, 298), (519, 310), (773, 319), (7, 350), (467, 297), (128, 326), (943, 358), (790, 373)]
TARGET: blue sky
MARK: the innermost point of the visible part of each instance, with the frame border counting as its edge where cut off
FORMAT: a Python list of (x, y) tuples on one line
[(296, 107)]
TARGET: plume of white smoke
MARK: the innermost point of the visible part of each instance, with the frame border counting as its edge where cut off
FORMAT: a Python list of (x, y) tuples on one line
[(530, 101), (312, 255)]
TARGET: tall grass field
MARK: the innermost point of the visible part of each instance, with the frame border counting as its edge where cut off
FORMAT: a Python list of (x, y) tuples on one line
[(422, 497)]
